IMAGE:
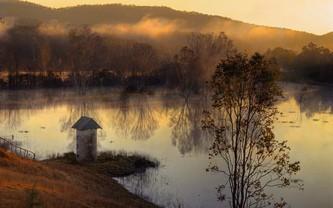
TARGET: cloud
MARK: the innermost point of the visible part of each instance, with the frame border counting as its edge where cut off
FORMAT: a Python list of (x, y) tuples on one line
[(146, 27), (53, 28)]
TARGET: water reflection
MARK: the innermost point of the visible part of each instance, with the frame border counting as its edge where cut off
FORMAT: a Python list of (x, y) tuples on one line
[(168, 126), (11, 118), (122, 117), (135, 117), (76, 110), (185, 121), (16, 106), (314, 99), (149, 185), (144, 119), (138, 116)]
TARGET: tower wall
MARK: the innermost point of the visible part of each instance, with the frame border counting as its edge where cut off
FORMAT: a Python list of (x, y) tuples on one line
[(86, 145)]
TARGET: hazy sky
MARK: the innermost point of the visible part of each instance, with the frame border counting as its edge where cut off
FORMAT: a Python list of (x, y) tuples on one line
[(314, 16)]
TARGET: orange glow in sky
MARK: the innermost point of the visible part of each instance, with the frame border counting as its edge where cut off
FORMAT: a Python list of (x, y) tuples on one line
[(315, 16)]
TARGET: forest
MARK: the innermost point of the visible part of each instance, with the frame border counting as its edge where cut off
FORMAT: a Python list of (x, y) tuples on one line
[(313, 64), (32, 58), (82, 58)]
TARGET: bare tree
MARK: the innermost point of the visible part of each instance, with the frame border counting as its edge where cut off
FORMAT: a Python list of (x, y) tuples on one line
[(245, 149), (85, 52), (142, 59), (209, 48), (188, 72), (195, 62)]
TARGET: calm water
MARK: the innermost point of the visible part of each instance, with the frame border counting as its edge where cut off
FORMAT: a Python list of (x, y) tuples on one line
[(167, 127)]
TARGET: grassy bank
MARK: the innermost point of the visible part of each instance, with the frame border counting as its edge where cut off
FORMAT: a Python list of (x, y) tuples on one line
[(114, 164), (61, 182)]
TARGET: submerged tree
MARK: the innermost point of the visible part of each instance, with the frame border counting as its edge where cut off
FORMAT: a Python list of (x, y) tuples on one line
[(85, 49), (241, 122), (196, 61)]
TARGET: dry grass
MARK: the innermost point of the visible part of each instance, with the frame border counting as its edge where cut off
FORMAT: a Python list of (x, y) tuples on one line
[(26, 183)]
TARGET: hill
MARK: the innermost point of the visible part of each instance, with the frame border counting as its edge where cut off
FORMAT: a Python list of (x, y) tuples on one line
[(27, 183), (163, 22)]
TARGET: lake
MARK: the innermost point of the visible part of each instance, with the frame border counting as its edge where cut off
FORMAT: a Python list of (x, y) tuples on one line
[(165, 126)]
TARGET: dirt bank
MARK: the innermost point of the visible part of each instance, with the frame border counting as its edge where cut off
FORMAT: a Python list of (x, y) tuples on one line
[(60, 183)]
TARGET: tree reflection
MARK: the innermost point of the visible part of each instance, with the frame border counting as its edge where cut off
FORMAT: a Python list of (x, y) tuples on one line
[(122, 117), (185, 121), (19, 105), (76, 109), (11, 118), (145, 122), (314, 99), (135, 117)]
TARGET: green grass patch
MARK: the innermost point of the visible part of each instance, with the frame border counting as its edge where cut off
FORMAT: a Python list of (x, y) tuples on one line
[(115, 164)]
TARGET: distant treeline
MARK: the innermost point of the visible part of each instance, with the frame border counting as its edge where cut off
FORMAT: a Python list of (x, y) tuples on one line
[(312, 64), (82, 58)]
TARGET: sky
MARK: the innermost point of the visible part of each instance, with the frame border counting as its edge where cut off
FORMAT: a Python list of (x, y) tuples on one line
[(315, 16)]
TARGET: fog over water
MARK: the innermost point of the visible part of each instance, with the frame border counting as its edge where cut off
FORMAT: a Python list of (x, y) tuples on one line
[(167, 127)]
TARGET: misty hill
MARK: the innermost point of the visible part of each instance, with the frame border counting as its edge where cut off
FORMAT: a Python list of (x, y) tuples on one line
[(161, 22)]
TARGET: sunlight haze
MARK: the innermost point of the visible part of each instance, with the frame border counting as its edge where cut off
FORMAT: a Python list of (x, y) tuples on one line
[(166, 103), (304, 15)]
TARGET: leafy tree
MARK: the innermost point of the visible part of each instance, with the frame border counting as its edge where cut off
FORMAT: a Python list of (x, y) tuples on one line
[(284, 57), (314, 63), (245, 150)]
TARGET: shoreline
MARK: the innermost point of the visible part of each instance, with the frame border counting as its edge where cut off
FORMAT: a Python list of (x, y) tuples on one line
[(114, 164), (59, 182)]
